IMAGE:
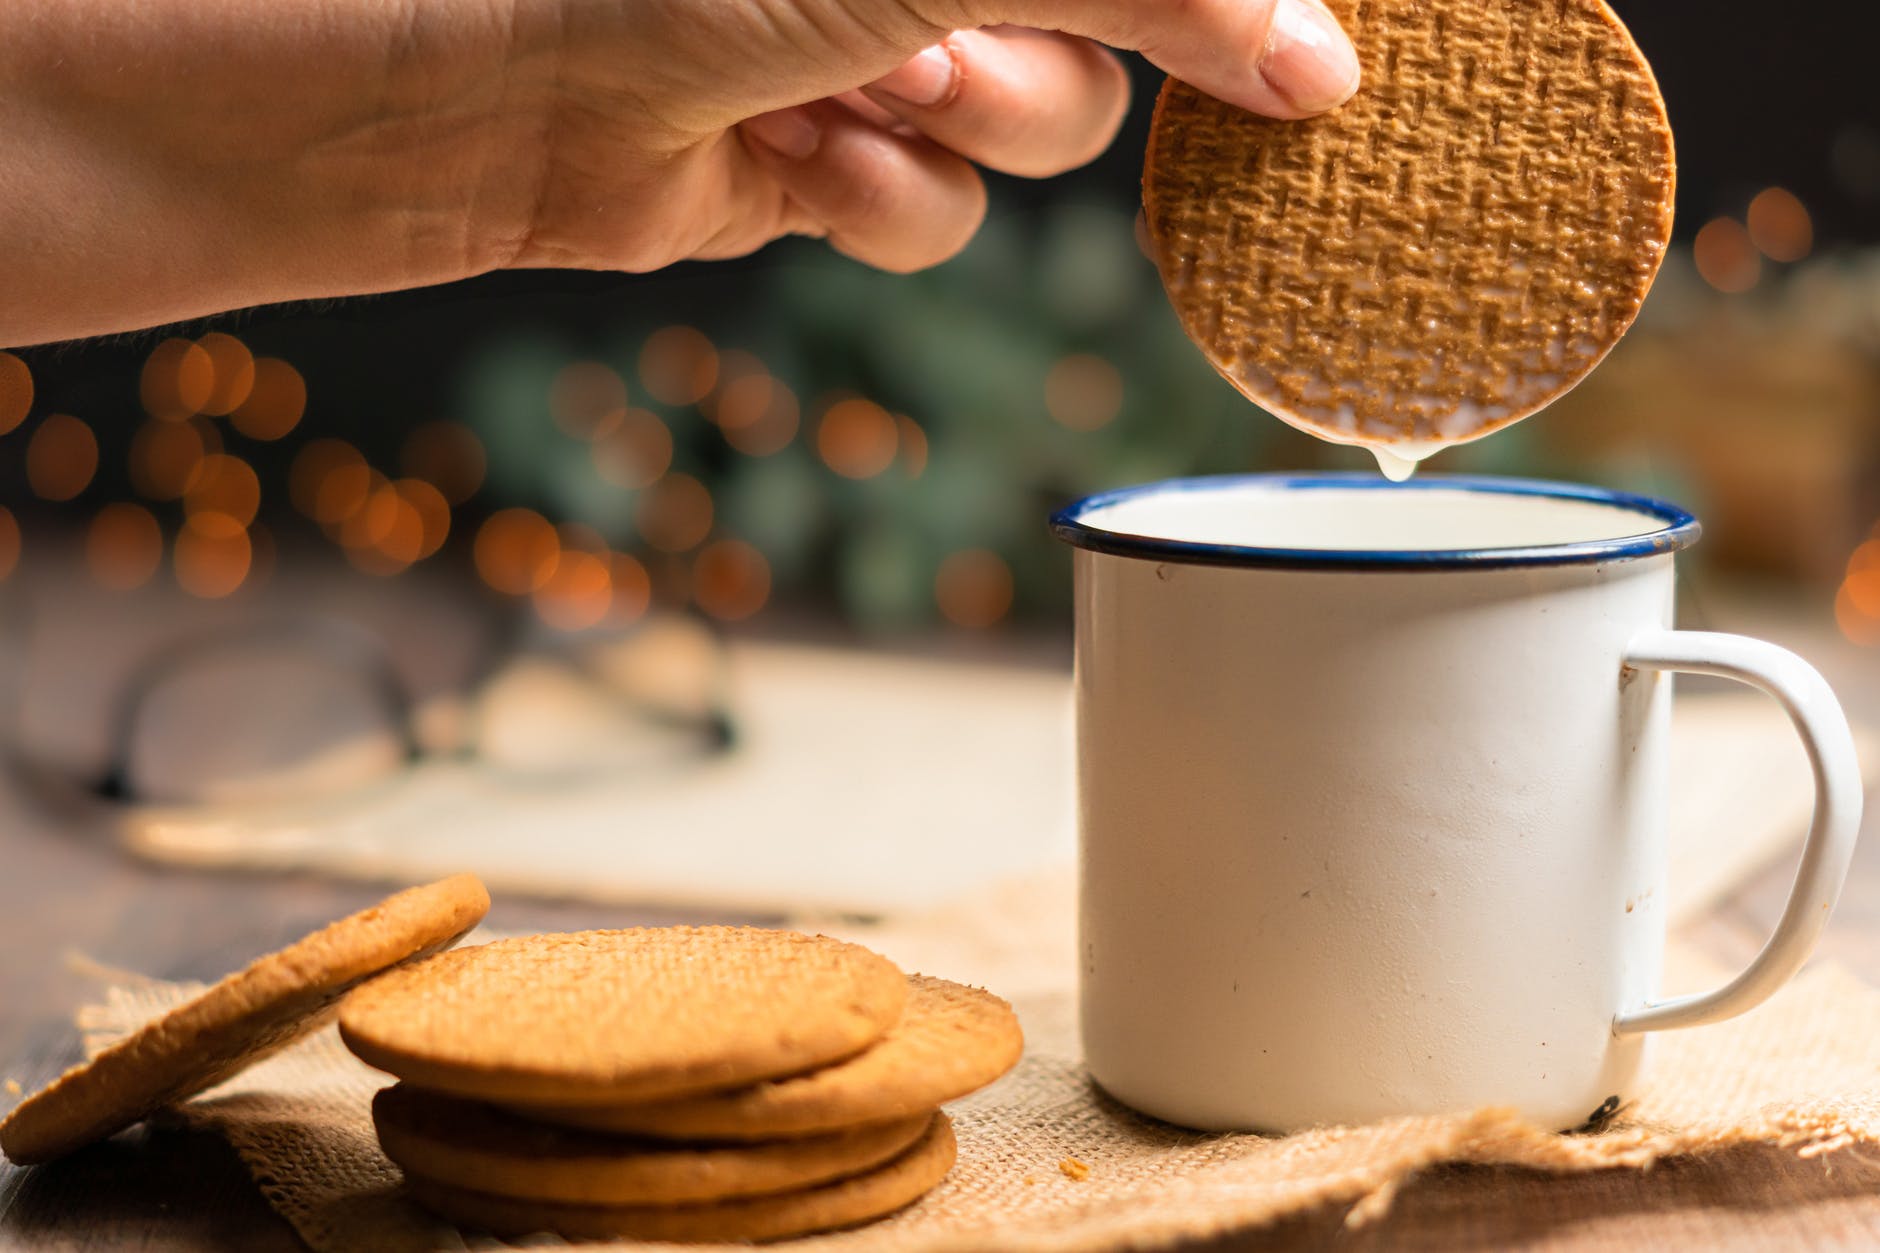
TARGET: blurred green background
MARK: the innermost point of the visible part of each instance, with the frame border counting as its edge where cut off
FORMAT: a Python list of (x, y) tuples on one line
[(795, 436)]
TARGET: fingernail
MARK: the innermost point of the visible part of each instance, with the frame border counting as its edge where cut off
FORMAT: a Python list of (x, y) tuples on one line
[(927, 79), (1308, 59), (791, 132)]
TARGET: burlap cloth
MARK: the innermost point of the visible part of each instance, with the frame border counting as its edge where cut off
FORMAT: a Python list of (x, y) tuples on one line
[(1798, 1074)]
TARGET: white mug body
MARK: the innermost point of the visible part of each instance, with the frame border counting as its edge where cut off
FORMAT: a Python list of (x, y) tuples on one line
[(1360, 841)]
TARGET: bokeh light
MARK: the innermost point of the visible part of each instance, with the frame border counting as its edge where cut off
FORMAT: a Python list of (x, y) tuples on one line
[(973, 588), (316, 464), (9, 542), (678, 365), (177, 381), (1857, 602), (1725, 257), (857, 438), (1779, 225), (432, 511), (1083, 392), (585, 396), (123, 546), (913, 445), (365, 526), (516, 550), (632, 589), (16, 392), (755, 431), (343, 493), (730, 580), (166, 457), (734, 366), (448, 456), (274, 403), (576, 593), (232, 370), (211, 556), (227, 485), (635, 450), (61, 457), (674, 514)]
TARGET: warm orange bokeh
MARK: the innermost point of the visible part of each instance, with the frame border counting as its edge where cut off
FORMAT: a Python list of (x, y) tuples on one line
[(227, 485), (973, 588), (343, 493), (768, 430), (585, 396), (371, 517), (274, 403), (166, 457), (576, 593), (317, 461), (123, 546), (913, 445), (177, 381), (232, 367), (448, 456), (9, 542), (61, 457), (635, 450), (730, 580), (632, 589), (1725, 256), (857, 438), (212, 555), (674, 514), (678, 365), (1083, 392), (16, 391), (734, 367), (1779, 225), (516, 551), (433, 513)]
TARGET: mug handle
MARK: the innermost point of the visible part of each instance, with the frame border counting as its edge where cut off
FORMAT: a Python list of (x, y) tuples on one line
[(1831, 833)]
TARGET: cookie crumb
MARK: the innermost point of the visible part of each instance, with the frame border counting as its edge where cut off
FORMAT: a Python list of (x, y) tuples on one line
[(1031, 1181), (14, 1088), (1074, 1169)]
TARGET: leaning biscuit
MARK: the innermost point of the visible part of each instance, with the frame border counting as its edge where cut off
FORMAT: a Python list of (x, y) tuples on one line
[(467, 1144), (240, 1020), (1444, 254), (608, 1017), (951, 1040), (845, 1203)]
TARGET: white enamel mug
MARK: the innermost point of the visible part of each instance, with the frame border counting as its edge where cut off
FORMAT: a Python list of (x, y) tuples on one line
[(1372, 796)]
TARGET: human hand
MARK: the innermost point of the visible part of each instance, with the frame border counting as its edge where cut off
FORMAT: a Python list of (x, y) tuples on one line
[(170, 158)]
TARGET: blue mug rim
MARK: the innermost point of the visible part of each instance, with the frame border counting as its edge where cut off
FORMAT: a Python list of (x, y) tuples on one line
[(1680, 528)]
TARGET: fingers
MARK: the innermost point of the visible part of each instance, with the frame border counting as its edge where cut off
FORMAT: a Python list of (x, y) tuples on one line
[(1022, 101), (1283, 58), (897, 202)]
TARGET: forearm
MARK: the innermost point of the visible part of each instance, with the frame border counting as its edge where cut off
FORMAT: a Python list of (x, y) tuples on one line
[(165, 159)]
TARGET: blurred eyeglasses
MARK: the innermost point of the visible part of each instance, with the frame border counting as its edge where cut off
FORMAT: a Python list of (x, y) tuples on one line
[(312, 708)]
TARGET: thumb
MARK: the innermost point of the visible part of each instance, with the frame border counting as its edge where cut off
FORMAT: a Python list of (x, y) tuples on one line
[(1282, 58)]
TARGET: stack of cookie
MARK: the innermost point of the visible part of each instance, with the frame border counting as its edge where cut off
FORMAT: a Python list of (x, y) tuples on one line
[(676, 1083)]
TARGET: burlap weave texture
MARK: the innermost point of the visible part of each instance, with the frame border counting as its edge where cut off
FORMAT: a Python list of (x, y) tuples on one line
[(1798, 1074)]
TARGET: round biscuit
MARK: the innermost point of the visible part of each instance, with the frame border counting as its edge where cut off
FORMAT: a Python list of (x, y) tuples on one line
[(467, 1144), (248, 1015), (1445, 253), (951, 1040), (845, 1203), (610, 1017)]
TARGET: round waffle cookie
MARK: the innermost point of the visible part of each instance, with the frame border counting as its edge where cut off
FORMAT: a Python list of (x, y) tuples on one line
[(610, 1017), (471, 1145), (239, 1021), (1444, 254), (951, 1040), (844, 1203)]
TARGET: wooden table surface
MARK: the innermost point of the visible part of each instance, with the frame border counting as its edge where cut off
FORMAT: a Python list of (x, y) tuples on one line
[(65, 890)]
